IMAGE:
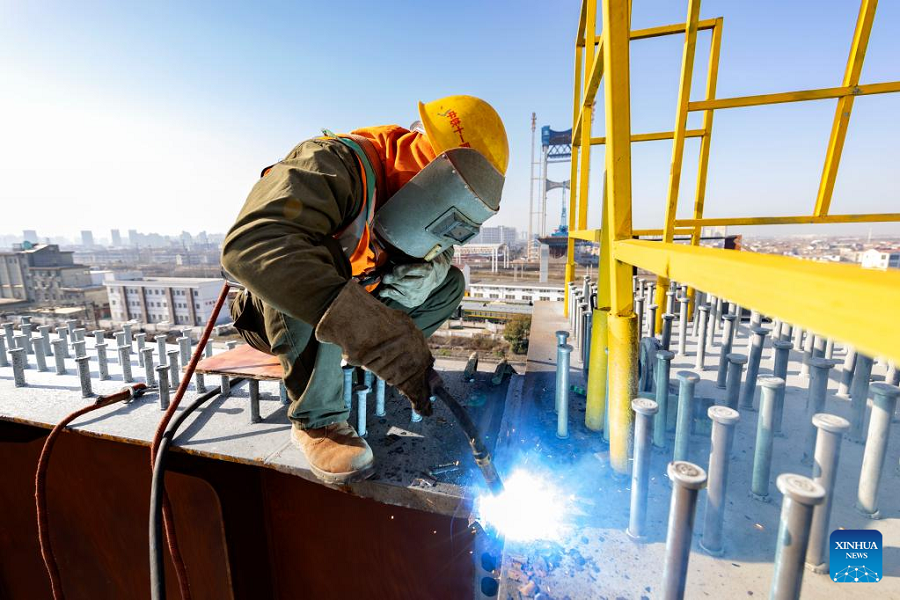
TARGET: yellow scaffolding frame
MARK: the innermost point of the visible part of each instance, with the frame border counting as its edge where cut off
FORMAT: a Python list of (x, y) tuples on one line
[(824, 298)]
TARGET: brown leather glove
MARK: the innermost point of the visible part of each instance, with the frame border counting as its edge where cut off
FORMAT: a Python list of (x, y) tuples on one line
[(381, 339)]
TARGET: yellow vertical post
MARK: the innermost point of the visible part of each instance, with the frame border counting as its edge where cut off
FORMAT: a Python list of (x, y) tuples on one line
[(595, 408), (715, 47), (684, 97), (583, 161), (622, 324), (573, 179), (845, 106)]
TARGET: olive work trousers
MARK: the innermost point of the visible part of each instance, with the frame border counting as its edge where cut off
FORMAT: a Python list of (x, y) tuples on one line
[(312, 369)]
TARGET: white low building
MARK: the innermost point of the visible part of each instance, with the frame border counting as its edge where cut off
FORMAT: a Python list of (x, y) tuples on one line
[(163, 300), (522, 292), (880, 258)]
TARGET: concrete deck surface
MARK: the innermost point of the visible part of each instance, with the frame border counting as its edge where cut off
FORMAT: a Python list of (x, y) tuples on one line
[(595, 559), (405, 452)]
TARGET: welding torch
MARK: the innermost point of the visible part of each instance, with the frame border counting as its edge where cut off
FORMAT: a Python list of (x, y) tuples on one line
[(479, 450)]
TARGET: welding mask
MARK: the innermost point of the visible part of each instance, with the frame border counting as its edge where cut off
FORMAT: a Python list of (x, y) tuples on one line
[(443, 205)]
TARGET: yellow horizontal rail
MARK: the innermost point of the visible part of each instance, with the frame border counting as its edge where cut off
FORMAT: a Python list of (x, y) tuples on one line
[(594, 235), (593, 80), (801, 220), (798, 96), (653, 137), (588, 235), (845, 302)]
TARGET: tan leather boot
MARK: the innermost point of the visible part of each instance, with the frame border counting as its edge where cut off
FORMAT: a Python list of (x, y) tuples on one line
[(336, 453)]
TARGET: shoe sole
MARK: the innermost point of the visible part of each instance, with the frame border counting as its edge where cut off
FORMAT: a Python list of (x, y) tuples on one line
[(337, 478)]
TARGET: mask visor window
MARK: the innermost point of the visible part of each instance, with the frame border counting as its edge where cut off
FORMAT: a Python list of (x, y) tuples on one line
[(453, 225)]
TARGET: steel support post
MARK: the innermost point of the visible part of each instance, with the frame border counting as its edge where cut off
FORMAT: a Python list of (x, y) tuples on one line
[(161, 348), (208, 349), (652, 320), (663, 365), (20, 344), (184, 347), (71, 325), (347, 371), (644, 410), (224, 385), (883, 404), (770, 388), (44, 331), (362, 395), (8, 332), (126, 329), (819, 347), (807, 353), (379, 398), (63, 334), (102, 361), (18, 364), (786, 332), (701, 337), (722, 440), (149, 373), (140, 339), (80, 348), (687, 382), (748, 390), (39, 357), (125, 363), (639, 310), (725, 350), (84, 375), (59, 355), (736, 364), (670, 301), (682, 325), (26, 333), (231, 344), (801, 495), (687, 481), (586, 342), (253, 389), (563, 354), (859, 393), (99, 336), (4, 361), (782, 354), (199, 382), (120, 340), (719, 304), (828, 452), (815, 403), (847, 372), (709, 339), (162, 377), (595, 406), (174, 371), (666, 337)]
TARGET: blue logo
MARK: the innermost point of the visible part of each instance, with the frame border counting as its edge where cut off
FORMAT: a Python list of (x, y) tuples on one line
[(855, 556)]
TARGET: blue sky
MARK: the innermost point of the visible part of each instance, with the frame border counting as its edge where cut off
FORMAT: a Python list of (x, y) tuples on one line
[(158, 116)]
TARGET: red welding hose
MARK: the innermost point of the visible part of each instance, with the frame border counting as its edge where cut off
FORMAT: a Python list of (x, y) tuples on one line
[(40, 485), (168, 520)]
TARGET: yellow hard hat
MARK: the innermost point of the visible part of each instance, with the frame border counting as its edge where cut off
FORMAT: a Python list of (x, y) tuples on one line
[(466, 122)]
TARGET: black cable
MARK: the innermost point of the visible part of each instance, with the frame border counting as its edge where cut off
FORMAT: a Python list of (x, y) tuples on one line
[(157, 572)]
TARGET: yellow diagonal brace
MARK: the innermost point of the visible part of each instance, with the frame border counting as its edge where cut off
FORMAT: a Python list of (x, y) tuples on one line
[(845, 106)]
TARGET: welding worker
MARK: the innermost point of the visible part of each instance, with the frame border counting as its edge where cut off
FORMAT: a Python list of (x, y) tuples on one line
[(345, 248)]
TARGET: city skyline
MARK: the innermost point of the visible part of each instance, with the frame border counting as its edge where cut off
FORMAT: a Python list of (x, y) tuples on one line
[(165, 132)]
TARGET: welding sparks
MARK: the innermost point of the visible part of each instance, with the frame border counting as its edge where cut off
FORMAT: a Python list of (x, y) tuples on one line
[(528, 509)]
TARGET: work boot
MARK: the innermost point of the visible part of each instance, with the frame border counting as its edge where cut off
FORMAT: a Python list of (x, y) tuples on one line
[(336, 453)]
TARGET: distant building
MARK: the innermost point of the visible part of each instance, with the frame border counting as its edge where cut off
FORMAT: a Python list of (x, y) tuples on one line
[(132, 237), (880, 258), (160, 300), (496, 235), (115, 237), (522, 292), (30, 235), (42, 274), (87, 238)]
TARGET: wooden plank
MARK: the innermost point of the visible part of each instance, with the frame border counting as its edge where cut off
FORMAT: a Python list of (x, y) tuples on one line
[(243, 361)]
